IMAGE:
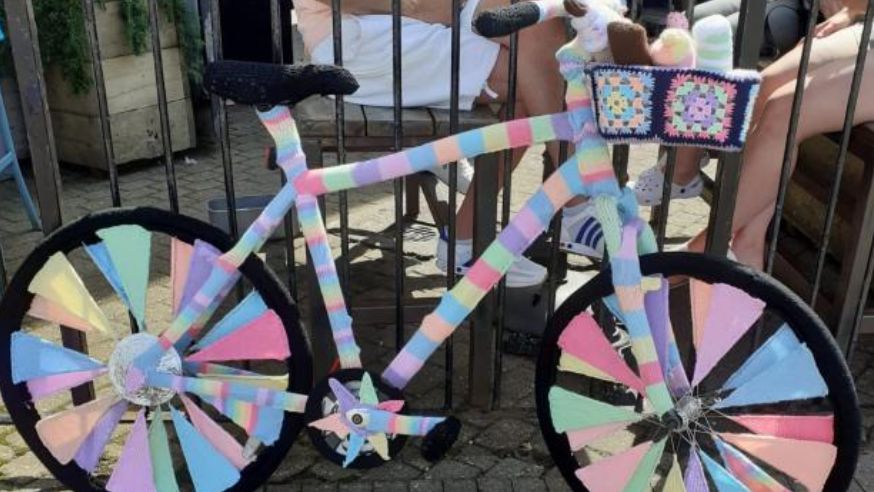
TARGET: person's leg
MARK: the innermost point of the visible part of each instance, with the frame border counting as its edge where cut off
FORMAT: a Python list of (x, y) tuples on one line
[(822, 110), (782, 71)]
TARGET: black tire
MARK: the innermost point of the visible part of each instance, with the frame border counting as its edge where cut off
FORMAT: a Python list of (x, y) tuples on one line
[(17, 300), (807, 327)]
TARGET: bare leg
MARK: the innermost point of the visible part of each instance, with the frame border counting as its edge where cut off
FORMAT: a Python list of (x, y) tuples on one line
[(774, 76), (822, 111)]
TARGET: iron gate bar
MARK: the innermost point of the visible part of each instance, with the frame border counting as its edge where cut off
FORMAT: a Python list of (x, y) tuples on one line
[(454, 84), (509, 115), (24, 40), (789, 150), (102, 105), (164, 116), (849, 117), (852, 298), (103, 115), (751, 30), (660, 213), (398, 184), (278, 56), (212, 32), (847, 338), (340, 123)]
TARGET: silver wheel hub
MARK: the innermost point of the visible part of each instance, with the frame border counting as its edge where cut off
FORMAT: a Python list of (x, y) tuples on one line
[(122, 359)]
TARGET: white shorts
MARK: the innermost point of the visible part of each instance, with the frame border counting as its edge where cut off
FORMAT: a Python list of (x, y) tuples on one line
[(426, 60)]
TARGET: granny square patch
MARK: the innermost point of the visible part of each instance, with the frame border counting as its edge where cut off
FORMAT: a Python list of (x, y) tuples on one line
[(625, 102), (673, 106), (699, 107)]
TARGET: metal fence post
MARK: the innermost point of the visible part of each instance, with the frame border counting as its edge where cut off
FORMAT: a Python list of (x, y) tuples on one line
[(749, 41), (482, 337), (41, 140)]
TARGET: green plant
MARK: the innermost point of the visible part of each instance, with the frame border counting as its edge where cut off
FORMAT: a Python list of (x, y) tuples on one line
[(64, 42)]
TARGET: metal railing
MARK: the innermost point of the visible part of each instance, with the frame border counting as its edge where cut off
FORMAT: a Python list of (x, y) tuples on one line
[(489, 320)]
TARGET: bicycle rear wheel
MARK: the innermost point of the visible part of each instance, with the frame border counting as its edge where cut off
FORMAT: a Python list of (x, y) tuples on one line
[(97, 276), (762, 398)]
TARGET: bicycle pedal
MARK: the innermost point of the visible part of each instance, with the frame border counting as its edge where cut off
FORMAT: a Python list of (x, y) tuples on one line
[(437, 443)]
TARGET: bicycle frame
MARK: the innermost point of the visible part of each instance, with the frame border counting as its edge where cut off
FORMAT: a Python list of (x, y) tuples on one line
[(587, 173)]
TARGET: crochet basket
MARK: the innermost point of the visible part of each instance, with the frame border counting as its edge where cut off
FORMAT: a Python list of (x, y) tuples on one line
[(673, 106)]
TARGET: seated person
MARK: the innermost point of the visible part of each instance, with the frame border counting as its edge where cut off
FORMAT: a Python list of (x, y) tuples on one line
[(832, 64), (785, 25), (426, 69)]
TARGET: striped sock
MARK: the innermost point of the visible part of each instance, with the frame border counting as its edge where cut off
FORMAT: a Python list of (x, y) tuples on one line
[(713, 38)]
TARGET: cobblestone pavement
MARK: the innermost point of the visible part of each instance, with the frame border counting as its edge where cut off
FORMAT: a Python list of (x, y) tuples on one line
[(498, 450)]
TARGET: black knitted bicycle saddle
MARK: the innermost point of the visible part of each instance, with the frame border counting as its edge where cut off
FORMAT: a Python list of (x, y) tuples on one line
[(267, 84)]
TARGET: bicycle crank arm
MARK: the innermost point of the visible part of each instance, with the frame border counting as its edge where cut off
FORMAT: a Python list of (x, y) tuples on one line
[(214, 388)]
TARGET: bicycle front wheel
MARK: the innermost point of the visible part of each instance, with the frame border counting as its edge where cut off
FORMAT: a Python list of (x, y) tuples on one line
[(116, 280), (762, 398)]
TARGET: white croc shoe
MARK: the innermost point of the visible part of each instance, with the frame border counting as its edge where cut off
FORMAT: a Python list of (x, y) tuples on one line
[(648, 187)]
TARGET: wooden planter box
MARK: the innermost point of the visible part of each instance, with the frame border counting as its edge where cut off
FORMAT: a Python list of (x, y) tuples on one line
[(131, 96)]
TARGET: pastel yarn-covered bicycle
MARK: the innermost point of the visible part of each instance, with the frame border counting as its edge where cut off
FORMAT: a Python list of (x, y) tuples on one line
[(719, 380)]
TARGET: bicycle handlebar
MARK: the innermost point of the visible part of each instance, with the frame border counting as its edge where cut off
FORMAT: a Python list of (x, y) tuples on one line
[(507, 20)]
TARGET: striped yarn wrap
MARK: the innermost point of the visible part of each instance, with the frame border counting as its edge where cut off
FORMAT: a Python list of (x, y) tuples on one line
[(627, 280), (394, 423), (313, 228), (488, 139), (229, 390)]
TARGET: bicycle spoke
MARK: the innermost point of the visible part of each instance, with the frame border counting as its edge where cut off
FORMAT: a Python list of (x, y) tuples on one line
[(63, 433), (694, 478), (208, 468), (724, 481), (629, 470), (801, 427), (730, 314), (247, 311), (584, 340), (261, 339), (571, 411), (89, 453), (163, 471), (59, 283), (35, 359), (806, 461), (744, 470), (770, 386), (217, 436), (133, 470), (180, 262), (123, 257)]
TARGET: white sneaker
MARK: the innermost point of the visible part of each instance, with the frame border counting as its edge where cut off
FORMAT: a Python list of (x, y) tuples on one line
[(523, 273), (581, 232), (648, 186), (463, 178)]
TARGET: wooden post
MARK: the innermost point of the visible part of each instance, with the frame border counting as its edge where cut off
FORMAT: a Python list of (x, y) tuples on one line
[(21, 27), (482, 335)]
